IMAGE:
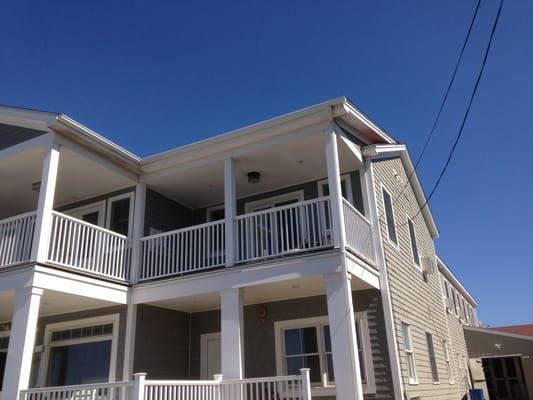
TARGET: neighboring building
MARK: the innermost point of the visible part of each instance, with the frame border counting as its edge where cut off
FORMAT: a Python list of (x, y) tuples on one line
[(524, 330), (299, 242)]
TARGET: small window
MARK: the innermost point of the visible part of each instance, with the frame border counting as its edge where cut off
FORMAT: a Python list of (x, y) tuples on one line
[(409, 354), (346, 188), (432, 359), (414, 246), (389, 216), (120, 214), (447, 360)]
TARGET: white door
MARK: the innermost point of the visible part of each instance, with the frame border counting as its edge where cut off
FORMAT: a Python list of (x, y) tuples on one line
[(210, 355)]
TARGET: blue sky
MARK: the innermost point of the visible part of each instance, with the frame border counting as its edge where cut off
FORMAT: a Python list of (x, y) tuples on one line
[(152, 78)]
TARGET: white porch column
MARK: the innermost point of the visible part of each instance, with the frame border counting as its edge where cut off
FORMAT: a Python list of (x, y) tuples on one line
[(344, 344), (335, 188), (43, 222), (230, 210), (21, 342), (232, 332)]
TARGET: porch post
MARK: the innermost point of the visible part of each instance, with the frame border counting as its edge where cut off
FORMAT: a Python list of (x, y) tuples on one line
[(230, 210), (21, 342), (343, 337), (43, 222), (232, 335), (335, 189)]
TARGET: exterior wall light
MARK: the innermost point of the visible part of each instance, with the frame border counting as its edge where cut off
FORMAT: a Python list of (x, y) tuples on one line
[(254, 177)]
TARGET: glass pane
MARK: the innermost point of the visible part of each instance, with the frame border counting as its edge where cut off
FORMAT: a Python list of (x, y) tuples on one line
[(216, 215), (390, 217), (511, 368), (91, 218), (497, 366), (329, 362), (501, 387), (79, 364), (325, 189), (3, 357), (120, 212), (294, 364), (327, 339), (292, 342), (313, 362), (309, 340), (414, 246), (405, 335)]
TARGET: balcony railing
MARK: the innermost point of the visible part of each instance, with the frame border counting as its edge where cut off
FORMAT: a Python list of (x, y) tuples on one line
[(97, 391), (16, 238), (80, 245), (358, 231)]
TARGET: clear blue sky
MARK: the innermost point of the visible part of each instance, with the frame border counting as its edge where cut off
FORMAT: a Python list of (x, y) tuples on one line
[(152, 78)]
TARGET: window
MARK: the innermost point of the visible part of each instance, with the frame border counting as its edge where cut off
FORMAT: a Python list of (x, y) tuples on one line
[(92, 213), (412, 237), (447, 360), (306, 343), (409, 354), (215, 213), (346, 188), (389, 216), (120, 214), (80, 352), (432, 359), (4, 344), (454, 296)]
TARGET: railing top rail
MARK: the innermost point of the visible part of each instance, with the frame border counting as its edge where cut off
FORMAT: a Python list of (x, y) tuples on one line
[(266, 379), (273, 209), (79, 387), (348, 204), (180, 383), (20, 216), (88, 225), (180, 230)]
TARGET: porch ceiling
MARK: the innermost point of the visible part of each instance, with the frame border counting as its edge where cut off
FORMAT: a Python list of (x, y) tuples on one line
[(52, 303), (290, 289), (289, 163)]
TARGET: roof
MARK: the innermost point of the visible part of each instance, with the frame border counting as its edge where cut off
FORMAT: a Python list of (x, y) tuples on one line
[(525, 330), (483, 342)]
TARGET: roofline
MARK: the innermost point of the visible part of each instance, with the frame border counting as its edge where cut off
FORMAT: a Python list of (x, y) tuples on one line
[(499, 333), (384, 150), (443, 267)]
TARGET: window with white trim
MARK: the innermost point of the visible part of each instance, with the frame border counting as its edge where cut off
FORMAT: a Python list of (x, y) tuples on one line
[(4, 344), (306, 343), (389, 217), (409, 354), (432, 358), (346, 188), (447, 360), (120, 214), (412, 238)]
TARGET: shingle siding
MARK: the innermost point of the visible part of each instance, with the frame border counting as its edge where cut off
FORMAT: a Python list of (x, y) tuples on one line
[(11, 135), (415, 301)]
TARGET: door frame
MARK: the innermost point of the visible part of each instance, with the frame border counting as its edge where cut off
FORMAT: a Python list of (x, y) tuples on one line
[(99, 206), (204, 338)]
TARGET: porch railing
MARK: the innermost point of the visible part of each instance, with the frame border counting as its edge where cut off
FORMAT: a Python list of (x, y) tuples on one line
[(358, 231), (80, 245), (101, 391), (16, 238), (184, 250), (293, 228)]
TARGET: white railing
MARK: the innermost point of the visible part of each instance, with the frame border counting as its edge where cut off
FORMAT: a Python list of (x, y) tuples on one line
[(358, 231), (184, 250), (182, 390), (80, 245), (297, 227), (16, 237), (101, 391)]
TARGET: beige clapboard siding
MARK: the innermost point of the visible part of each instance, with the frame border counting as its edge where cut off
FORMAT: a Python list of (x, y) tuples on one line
[(414, 301)]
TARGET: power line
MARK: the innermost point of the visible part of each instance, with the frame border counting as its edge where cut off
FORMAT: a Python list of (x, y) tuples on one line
[(467, 112), (443, 102)]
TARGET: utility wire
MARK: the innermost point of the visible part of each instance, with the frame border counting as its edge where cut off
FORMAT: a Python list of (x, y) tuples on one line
[(443, 102), (465, 117)]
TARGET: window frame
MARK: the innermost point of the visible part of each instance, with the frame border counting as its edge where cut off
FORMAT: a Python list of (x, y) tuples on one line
[(4, 334), (346, 178), (326, 388), (409, 353), (414, 243), (448, 362), (269, 202), (99, 206), (432, 355), (111, 200), (391, 242), (80, 323)]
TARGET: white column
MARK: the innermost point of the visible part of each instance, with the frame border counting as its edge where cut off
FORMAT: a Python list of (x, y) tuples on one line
[(230, 210), (43, 223), (335, 188), (343, 337), (138, 230), (232, 332), (21, 342)]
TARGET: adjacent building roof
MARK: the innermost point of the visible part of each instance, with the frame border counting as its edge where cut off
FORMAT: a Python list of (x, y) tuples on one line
[(525, 330)]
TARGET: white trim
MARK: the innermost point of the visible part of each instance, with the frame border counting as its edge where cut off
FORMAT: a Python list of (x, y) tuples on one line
[(326, 388), (99, 206), (346, 178), (419, 265), (395, 245), (434, 356), (269, 202), (80, 323), (204, 338), (111, 200), (409, 353)]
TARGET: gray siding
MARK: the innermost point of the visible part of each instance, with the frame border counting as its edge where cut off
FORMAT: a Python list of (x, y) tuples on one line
[(162, 343), (11, 135), (165, 214)]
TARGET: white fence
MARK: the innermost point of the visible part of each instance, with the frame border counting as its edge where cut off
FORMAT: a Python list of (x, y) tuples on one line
[(103, 391), (16, 237), (78, 244), (297, 227), (358, 231), (184, 250)]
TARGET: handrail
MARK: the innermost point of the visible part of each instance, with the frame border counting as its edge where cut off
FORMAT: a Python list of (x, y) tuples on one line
[(358, 232), (281, 208), (180, 230), (16, 238), (89, 225), (86, 386), (351, 206), (19, 216)]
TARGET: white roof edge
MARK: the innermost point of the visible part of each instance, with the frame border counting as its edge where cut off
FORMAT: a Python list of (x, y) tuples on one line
[(377, 150), (448, 273), (497, 332)]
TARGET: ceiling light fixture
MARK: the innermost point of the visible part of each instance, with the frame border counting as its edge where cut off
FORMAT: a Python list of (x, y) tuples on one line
[(36, 186), (254, 177)]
